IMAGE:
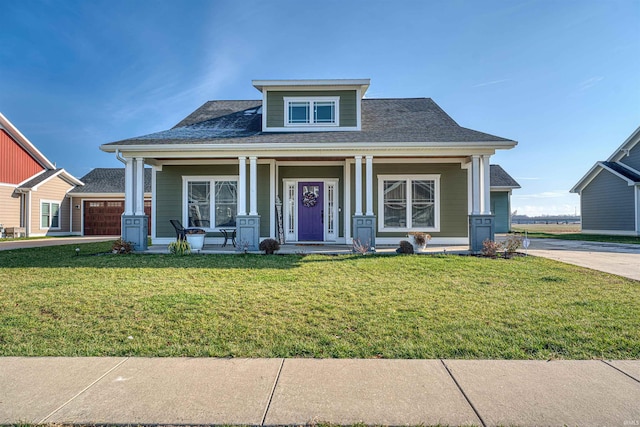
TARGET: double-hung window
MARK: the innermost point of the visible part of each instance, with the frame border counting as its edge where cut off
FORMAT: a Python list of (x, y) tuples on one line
[(49, 215), (211, 202), (409, 203), (317, 111)]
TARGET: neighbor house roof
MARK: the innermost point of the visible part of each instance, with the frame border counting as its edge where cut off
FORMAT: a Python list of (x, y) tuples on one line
[(108, 180), (622, 171), (499, 178), (393, 121), (35, 182), (25, 143)]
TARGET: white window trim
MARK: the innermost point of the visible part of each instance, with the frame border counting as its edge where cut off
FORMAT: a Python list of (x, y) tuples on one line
[(312, 100), (50, 202), (409, 179), (212, 179)]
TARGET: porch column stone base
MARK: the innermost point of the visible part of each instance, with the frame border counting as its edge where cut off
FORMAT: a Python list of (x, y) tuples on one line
[(481, 228), (364, 229), (135, 230), (247, 232)]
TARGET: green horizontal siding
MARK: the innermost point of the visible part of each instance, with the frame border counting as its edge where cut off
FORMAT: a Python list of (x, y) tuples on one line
[(169, 198), (348, 106), (453, 195)]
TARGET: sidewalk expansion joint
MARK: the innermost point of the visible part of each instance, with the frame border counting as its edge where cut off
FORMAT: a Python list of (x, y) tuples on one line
[(42, 421), (621, 371), (463, 393), (273, 391)]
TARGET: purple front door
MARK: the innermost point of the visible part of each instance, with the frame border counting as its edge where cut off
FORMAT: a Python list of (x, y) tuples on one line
[(310, 211)]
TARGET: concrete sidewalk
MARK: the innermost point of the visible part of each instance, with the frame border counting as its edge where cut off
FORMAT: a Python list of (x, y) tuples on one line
[(306, 391)]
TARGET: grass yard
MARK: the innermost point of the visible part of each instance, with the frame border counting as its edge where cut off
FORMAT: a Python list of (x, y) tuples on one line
[(53, 303), (569, 232)]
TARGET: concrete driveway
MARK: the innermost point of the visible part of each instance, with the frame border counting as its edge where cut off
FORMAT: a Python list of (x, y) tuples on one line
[(53, 241), (614, 258)]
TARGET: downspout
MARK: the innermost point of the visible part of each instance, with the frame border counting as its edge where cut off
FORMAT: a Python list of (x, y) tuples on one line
[(119, 157)]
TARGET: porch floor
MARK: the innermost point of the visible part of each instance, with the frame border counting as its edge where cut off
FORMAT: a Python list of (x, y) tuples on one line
[(308, 249)]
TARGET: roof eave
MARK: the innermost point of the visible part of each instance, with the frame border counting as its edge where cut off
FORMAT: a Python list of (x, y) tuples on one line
[(340, 146), (627, 145)]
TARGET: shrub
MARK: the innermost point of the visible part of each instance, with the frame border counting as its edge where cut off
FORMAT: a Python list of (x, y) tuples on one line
[(269, 246), (512, 244), (180, 247), (194, 231), (405, 247), (121, 246), (360, 248), (491, 248)]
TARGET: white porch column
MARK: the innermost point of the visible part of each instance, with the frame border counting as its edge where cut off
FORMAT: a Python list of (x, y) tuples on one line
[(369, 184), (242, 186), (253, 186), (358, 185), (128, 187), (475, 185), (486, 185), (139, 187)]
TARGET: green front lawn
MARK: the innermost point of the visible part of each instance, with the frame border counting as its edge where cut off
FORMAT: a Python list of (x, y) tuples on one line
[(53, 303)]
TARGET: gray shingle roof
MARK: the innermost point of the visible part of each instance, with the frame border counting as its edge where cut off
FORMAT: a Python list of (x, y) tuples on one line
[(498, 177), (108, 180), (631, 175), (383, 120), (39, 179)]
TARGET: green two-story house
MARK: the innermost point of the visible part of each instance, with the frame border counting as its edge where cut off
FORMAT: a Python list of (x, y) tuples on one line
[(314, 161)]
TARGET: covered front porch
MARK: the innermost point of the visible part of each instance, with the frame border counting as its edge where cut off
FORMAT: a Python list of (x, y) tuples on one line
[(313, 200)]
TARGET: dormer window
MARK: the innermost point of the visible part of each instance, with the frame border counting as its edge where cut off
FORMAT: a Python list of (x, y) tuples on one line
[(318, 111)]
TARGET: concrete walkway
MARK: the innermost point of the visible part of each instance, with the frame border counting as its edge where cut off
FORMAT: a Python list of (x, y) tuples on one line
[(305, 391), (614, 258)]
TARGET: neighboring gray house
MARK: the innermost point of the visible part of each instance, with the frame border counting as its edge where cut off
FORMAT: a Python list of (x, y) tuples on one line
[(344, 167), (501, 186), (97, 206), (610, 192)]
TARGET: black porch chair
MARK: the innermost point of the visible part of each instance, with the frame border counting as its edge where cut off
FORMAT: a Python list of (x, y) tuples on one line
[(180, 230)]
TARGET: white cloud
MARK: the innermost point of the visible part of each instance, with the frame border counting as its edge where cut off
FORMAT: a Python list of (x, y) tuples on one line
[(589, 83), (493, 82)]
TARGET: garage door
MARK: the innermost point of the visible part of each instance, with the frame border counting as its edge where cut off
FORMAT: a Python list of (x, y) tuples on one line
[(103, 217)]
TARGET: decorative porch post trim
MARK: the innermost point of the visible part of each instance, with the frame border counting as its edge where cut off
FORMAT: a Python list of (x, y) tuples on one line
[(369, 184), (242, 185), (475, 184), (486, 185), (358, 185), (253, 186), (128, 187), (139, 191), (347, 201)]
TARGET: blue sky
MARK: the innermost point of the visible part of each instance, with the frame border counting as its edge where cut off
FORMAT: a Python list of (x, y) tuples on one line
[(561, 77)]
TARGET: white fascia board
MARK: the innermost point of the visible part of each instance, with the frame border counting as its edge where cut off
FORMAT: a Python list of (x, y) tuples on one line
[(593, 172), (64, 175), (628, 144), (503, 188), (319, 83), (24, 142), (293, 148)]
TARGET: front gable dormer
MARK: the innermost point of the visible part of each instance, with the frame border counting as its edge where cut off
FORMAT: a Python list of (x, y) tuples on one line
[(311, 105)]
